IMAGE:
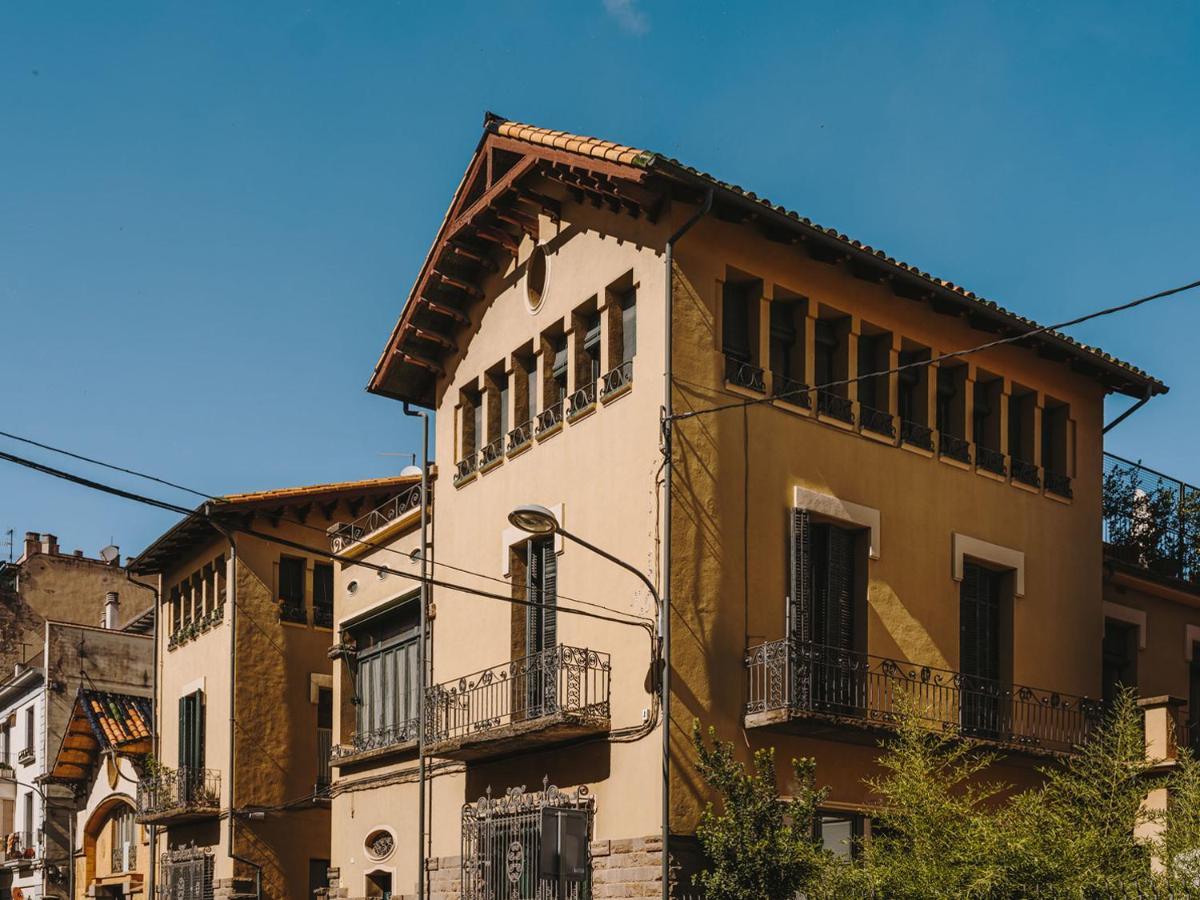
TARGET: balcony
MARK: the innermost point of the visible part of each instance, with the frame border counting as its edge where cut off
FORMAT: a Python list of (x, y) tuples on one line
[(189, 631), (344, 536), (835, 406), (819, 689), (179, 795), (917, 435), (990, 460), (789, 390), (743, 375), (582, 401), (557, 695), (877, 421), (620, 378), (1025, 472), (466, 467), (17, 846), (549, 418), (520, 436), (396, 741), (1151, 521), (955, 448), (491, 453), (1057, 483)]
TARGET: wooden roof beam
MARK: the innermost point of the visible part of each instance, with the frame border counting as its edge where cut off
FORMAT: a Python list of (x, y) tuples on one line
[(458, 283), (431, 336), (428, 364), (448, 312), (480, 259)]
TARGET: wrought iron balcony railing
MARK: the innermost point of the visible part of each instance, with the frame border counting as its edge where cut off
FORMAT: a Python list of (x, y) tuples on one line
[(582, 400), (741, 374), (955, 448), (877, 420), (344, 534), (323, 616), (401, 734), (916, 434), (990, 460), (835, 406), (1057, 483), (790, 390), (620, 377), (466, 467), (492, 452), (189, 631), (1151, 520), (178, 792), (293, 611), (811, 680), (520, 436), (1025, 472), (550, 417), (557, 682)]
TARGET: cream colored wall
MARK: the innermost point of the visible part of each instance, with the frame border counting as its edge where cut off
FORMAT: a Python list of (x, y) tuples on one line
[(735, 476), (93, 825)]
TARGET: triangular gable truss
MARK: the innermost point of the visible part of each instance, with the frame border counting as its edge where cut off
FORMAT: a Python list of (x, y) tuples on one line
[(507, 185)]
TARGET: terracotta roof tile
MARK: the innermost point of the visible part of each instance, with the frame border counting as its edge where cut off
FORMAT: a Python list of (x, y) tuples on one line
[(117, 719)]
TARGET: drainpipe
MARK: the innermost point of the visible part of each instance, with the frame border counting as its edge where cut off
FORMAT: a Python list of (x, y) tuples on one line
[(424, 417), (152, 872), (665, 624), (231, 588)]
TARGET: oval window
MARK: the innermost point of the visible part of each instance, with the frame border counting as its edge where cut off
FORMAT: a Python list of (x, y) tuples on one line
[(535, 278)]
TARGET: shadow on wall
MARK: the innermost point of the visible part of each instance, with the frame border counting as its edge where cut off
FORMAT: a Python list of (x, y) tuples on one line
[(566, 766)]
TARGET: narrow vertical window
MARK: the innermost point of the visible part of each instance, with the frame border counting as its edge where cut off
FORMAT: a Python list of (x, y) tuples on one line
[(291, 589), (323, 595)]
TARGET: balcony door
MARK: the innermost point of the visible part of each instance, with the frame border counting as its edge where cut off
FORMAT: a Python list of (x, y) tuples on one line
[(191, 746), (981, 704), (826, 673)]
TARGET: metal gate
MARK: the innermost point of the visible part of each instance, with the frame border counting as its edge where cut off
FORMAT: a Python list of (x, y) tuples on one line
[(502, 844), (187, 874)]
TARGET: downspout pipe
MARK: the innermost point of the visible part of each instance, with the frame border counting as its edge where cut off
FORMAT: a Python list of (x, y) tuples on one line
[(152, 871), (665, 622), (231, 583), (422, 630)]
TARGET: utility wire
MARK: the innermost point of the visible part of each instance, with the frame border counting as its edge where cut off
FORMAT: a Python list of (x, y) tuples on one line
[(1011, 339), (293, 520), (296, 545)]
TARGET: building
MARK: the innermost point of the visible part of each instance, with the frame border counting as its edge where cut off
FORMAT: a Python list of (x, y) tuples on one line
[(1152, 589), (830, 541), (105, 748), (37, 708), (237, 796), (45, 583)]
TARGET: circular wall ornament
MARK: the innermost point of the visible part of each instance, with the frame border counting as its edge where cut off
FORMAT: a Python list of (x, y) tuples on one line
[(380, 844), (537, 270), (352, 587)]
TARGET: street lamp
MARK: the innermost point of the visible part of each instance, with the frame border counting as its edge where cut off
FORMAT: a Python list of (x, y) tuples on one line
[(535, 519)]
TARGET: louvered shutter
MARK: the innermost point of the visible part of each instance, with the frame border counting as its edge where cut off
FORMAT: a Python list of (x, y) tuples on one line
[(185, 730), (800, 596), (968, 621), (533, 594), (198, 729), (549, 594), (839, 611)]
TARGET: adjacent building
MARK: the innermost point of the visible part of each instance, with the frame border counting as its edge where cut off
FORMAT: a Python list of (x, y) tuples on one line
[(39, 738), (828, 541), (236, 796)]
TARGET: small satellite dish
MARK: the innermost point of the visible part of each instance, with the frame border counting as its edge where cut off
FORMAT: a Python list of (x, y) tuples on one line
[(110, 553), (411, 472)]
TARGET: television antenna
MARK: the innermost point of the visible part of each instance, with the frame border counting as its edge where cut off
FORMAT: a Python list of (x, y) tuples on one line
[(110, 553)]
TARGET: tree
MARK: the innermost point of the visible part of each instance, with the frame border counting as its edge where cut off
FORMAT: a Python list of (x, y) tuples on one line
[(759, 846)]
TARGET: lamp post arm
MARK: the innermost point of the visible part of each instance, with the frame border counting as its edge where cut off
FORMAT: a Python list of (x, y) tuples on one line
[(615, 561)]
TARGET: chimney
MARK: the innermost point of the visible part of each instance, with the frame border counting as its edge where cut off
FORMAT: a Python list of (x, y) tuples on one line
[(78, 554), (112, 607), (49, 544), (33, 543)]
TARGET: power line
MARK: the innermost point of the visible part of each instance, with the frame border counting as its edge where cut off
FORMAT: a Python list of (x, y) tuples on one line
[(1041, 329), (217, 522), (293, 520)]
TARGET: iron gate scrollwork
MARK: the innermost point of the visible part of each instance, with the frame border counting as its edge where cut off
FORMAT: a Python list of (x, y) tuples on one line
[(187, 874), (502, 841)]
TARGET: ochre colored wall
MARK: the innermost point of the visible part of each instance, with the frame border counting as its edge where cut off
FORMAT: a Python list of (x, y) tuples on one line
[(734, 481)]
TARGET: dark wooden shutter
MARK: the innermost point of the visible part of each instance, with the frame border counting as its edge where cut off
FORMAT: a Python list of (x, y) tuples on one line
[(198, 706), (533, 612), (549, 593), (800, 587), (185, 730), (839, 615)]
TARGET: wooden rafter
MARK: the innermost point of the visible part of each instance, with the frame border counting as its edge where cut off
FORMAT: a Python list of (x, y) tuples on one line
[(442, 310), (431, 336), (457, 284)]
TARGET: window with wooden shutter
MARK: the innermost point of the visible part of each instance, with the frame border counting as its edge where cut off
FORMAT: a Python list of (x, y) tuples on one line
[(541, 626), (979, 650), (822, 582)]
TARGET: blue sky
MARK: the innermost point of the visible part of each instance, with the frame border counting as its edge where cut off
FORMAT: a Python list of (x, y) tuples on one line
[(210, 213)]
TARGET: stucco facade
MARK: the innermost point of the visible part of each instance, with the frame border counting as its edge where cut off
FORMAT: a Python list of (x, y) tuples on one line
[(977, 474)]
